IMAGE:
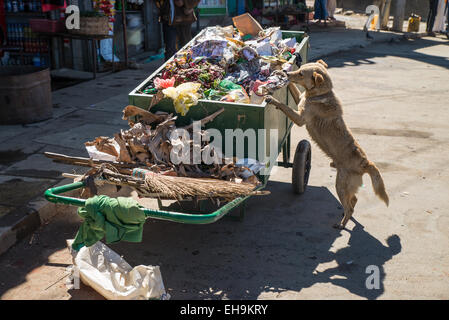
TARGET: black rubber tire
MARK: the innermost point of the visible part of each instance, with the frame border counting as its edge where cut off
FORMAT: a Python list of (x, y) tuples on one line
[(302, 164)]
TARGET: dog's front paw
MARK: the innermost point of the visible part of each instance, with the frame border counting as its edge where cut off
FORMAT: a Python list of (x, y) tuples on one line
[(269, 99)]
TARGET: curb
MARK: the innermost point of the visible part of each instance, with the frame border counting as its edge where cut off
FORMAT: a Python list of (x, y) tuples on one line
[(27, 219), (39, 212)]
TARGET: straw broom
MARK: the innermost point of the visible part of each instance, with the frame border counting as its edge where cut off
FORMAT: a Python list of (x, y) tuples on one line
[(183, 187), (179, 188)]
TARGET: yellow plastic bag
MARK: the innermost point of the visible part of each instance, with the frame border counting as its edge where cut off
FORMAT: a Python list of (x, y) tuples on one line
[(184, 96)]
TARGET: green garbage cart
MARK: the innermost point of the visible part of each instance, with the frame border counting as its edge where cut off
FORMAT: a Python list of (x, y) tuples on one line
[(234, 116)]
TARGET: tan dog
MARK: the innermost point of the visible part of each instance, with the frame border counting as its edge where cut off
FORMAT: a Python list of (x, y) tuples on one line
[(321, 112)]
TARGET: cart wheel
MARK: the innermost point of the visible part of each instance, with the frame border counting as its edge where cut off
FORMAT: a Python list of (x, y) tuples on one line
[(301, 167)]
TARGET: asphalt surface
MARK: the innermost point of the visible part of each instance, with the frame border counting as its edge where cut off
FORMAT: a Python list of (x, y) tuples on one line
[(395, 101)]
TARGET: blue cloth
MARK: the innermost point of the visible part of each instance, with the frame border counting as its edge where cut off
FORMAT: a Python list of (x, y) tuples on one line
[(320, 10)]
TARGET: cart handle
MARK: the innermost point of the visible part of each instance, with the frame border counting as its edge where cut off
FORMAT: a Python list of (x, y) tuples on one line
[(52, 195)]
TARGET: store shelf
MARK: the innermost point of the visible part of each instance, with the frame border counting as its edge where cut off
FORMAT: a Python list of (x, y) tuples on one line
[(26, 14), (10, 48), (129, 11), (28, 53)]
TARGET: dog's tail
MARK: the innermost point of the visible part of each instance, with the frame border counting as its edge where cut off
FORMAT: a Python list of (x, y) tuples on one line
[(377, 181)]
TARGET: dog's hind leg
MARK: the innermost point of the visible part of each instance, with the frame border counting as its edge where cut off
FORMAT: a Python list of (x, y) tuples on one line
[(347, 185), (354, 201)]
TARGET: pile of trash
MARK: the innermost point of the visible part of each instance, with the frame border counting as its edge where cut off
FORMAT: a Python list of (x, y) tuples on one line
[(145, 155), (226, 64)]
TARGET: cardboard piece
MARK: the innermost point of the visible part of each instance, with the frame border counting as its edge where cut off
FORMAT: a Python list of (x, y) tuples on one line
[(246, 24)]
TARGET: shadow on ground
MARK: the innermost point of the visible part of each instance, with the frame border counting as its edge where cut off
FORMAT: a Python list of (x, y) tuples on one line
[(277, 247), (365, 57)]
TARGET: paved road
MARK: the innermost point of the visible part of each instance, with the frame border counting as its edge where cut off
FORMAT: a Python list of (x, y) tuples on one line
[(395, 101)]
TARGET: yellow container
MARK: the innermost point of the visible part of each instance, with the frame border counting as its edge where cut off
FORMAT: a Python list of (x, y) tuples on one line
[(413, 23)]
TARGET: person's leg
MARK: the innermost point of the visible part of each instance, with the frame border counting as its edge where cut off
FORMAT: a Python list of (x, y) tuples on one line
[(324, 10), (331, 6), (320, 10), (184, 33), (433, 6), (316, 9), (169, 33)]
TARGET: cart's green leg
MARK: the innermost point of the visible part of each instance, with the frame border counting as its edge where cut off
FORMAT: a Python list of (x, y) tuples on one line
[(289, 140), (202, 206), (286, 151), (241, 215), (159, 203), (242, 210)]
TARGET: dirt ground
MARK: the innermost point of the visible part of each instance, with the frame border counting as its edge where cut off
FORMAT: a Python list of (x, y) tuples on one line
[(395, 102)]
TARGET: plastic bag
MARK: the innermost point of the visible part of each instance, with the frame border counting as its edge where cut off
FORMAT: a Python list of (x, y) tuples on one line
[(237, 95), (184, 96), (277, 80), (229, 85), (98, 155), (249, 53), (111, 276), (213, 94), (290, 42), (164, 83)]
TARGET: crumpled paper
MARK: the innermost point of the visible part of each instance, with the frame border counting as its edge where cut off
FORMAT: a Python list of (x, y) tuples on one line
[(209, 48)]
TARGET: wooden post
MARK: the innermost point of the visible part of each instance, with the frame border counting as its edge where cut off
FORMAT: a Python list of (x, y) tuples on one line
[(399, 15), (385, 14), (125, 41)]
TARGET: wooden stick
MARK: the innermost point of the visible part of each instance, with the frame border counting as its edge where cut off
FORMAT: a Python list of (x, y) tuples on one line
[(206, 119), (86, 162)]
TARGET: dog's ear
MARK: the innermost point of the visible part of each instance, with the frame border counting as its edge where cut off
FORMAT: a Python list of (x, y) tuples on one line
[(324, 64), (318, 79)]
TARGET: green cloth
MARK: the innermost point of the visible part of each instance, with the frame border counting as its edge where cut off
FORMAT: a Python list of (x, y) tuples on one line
[(116, 218)]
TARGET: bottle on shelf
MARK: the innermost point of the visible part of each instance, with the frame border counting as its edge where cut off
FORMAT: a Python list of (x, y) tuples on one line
[(8, 6), (37, 60), (14, 6)]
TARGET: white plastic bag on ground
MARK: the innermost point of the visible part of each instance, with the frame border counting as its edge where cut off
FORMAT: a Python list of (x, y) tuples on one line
[(111, 276)]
